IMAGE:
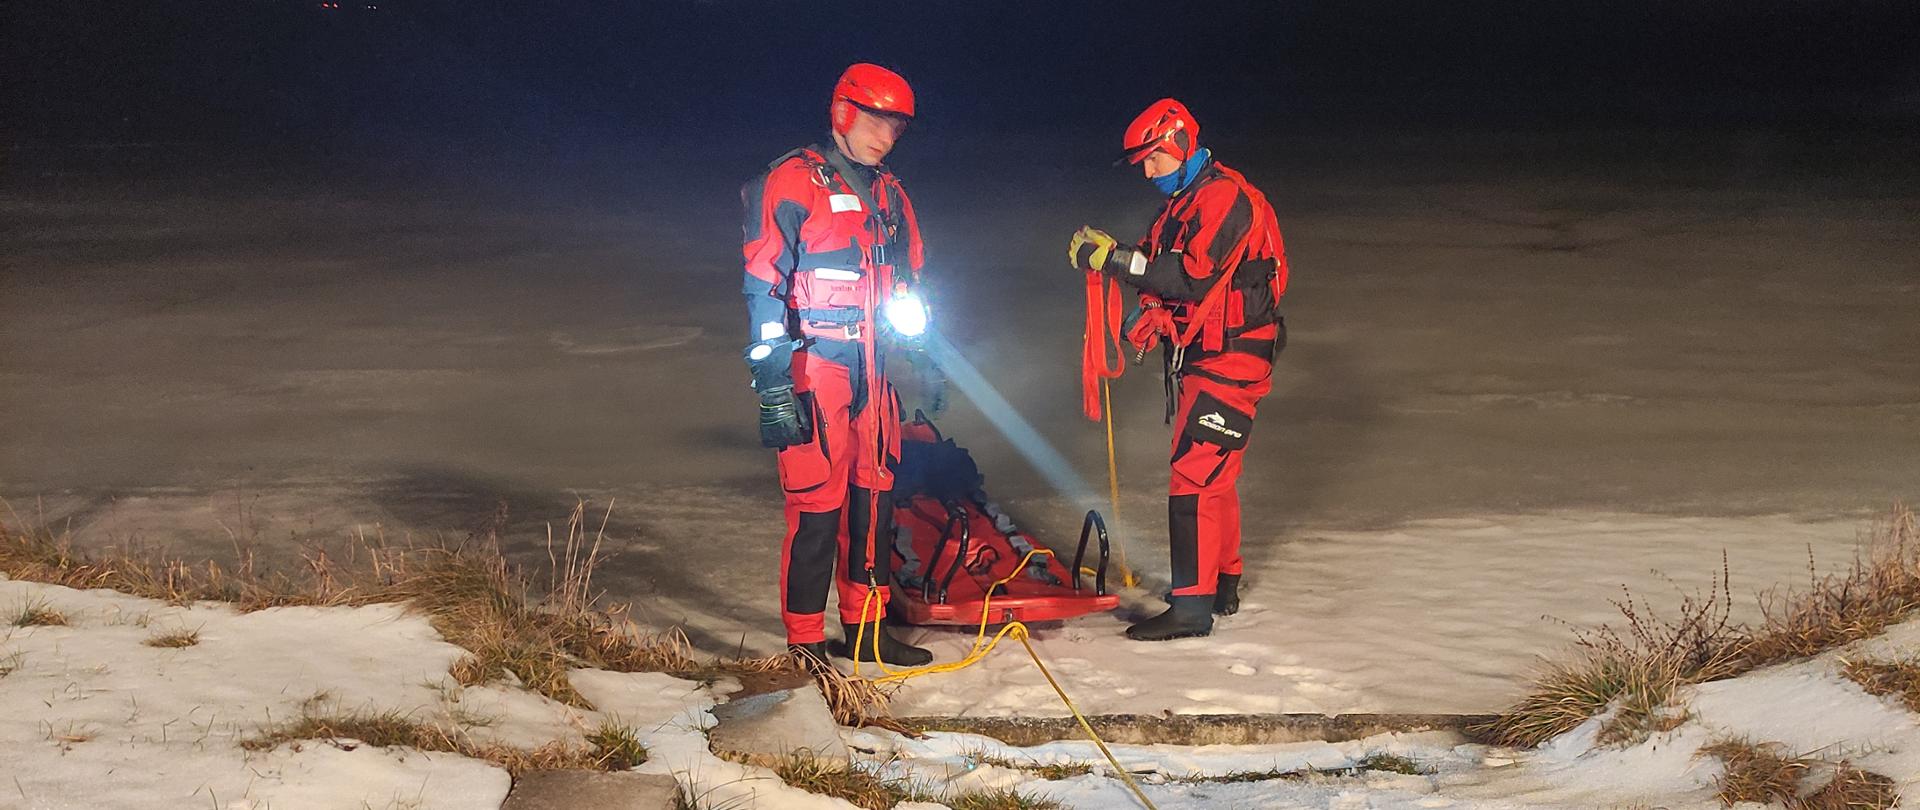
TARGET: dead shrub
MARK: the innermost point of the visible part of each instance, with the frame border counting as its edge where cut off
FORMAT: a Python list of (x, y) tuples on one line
[(1880, 588), (1634, 669), (471, 593), (1637, 671)]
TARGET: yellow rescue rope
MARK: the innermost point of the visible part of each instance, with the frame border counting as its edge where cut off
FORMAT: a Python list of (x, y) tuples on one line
[(981, 647), (1127, 577)]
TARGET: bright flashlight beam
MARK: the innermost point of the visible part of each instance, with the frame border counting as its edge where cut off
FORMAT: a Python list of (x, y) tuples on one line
[(1038, 451), (1027, 441)]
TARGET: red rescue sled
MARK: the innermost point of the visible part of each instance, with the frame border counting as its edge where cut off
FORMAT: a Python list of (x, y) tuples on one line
[(952, 544)]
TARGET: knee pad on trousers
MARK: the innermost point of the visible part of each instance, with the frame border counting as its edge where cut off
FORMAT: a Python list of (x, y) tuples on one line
[(1183, 535), (810, 566)]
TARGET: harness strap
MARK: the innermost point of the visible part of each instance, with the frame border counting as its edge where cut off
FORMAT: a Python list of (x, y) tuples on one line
[(838, 163), (1219, 378), (1100, 357)]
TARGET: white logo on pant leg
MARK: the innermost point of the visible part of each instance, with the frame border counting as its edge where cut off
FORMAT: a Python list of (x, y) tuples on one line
[(1214, 421)]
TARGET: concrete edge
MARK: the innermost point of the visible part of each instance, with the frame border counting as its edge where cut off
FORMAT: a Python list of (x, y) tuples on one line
[(1204, 729)]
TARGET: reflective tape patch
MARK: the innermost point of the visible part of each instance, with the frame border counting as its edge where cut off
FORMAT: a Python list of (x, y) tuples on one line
[(832, 274), (843, 202)]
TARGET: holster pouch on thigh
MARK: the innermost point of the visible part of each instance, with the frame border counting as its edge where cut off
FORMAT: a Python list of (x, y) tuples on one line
[(1215, 422), (805, 467), (1213, 432)]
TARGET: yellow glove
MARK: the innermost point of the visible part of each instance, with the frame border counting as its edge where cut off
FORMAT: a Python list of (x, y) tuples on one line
[(1090, 248)]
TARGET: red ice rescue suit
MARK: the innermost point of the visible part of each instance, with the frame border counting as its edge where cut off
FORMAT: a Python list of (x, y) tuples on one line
[(1210, 274), (826, 239)]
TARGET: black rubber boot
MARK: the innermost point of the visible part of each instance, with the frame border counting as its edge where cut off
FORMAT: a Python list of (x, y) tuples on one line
[(811, 657), (1189, 616), (1226, 597), (894, 652)]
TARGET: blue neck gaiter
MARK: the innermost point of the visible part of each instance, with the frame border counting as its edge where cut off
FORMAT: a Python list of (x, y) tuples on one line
[(1176, 181)]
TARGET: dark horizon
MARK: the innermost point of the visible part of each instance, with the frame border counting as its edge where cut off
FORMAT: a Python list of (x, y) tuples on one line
[(281, 70)]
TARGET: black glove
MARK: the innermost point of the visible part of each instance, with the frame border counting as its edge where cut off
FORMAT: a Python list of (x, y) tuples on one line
[(784, 420)]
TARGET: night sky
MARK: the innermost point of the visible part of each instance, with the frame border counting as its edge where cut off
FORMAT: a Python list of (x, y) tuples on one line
[(292, 71)]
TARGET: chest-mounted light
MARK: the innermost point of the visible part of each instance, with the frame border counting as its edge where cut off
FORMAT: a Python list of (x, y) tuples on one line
[(906, 314)]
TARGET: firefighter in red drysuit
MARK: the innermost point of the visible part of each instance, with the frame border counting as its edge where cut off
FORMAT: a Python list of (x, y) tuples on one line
[(832, 248), (1210, 273)]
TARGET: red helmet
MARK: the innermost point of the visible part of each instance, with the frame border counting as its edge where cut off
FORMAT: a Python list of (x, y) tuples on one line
[(872, 88), (1165, 126)]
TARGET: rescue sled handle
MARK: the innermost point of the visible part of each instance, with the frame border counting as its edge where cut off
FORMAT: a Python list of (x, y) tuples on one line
[(956, 516), (1090, 526)]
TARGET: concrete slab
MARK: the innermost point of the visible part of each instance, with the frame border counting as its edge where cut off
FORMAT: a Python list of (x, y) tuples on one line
[(592, 790), (765, 728)]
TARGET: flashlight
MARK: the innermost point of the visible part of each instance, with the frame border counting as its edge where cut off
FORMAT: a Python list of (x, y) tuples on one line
[(906, 314)]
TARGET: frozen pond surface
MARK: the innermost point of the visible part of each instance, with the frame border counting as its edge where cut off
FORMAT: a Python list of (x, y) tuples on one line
[(1521, 372)]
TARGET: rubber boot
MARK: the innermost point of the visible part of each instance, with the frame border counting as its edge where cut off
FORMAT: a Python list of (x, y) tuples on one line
[(1189, 616), (811, 657), (894, 652), (1226, 597)]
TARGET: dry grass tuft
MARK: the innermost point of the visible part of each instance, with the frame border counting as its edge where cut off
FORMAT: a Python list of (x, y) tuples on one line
[(10, 662), (855, 702), (1050, 770), (468, 589), (1880, 588), (175, 638), (613, 748), (866, 790), (1897, 678), (856, 786), (1764, 774), (38, 614), (617, 747), (1389, 763), (1852, 789), (1636, 670), (1757, 773), (1002, 800), (858, 702)]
